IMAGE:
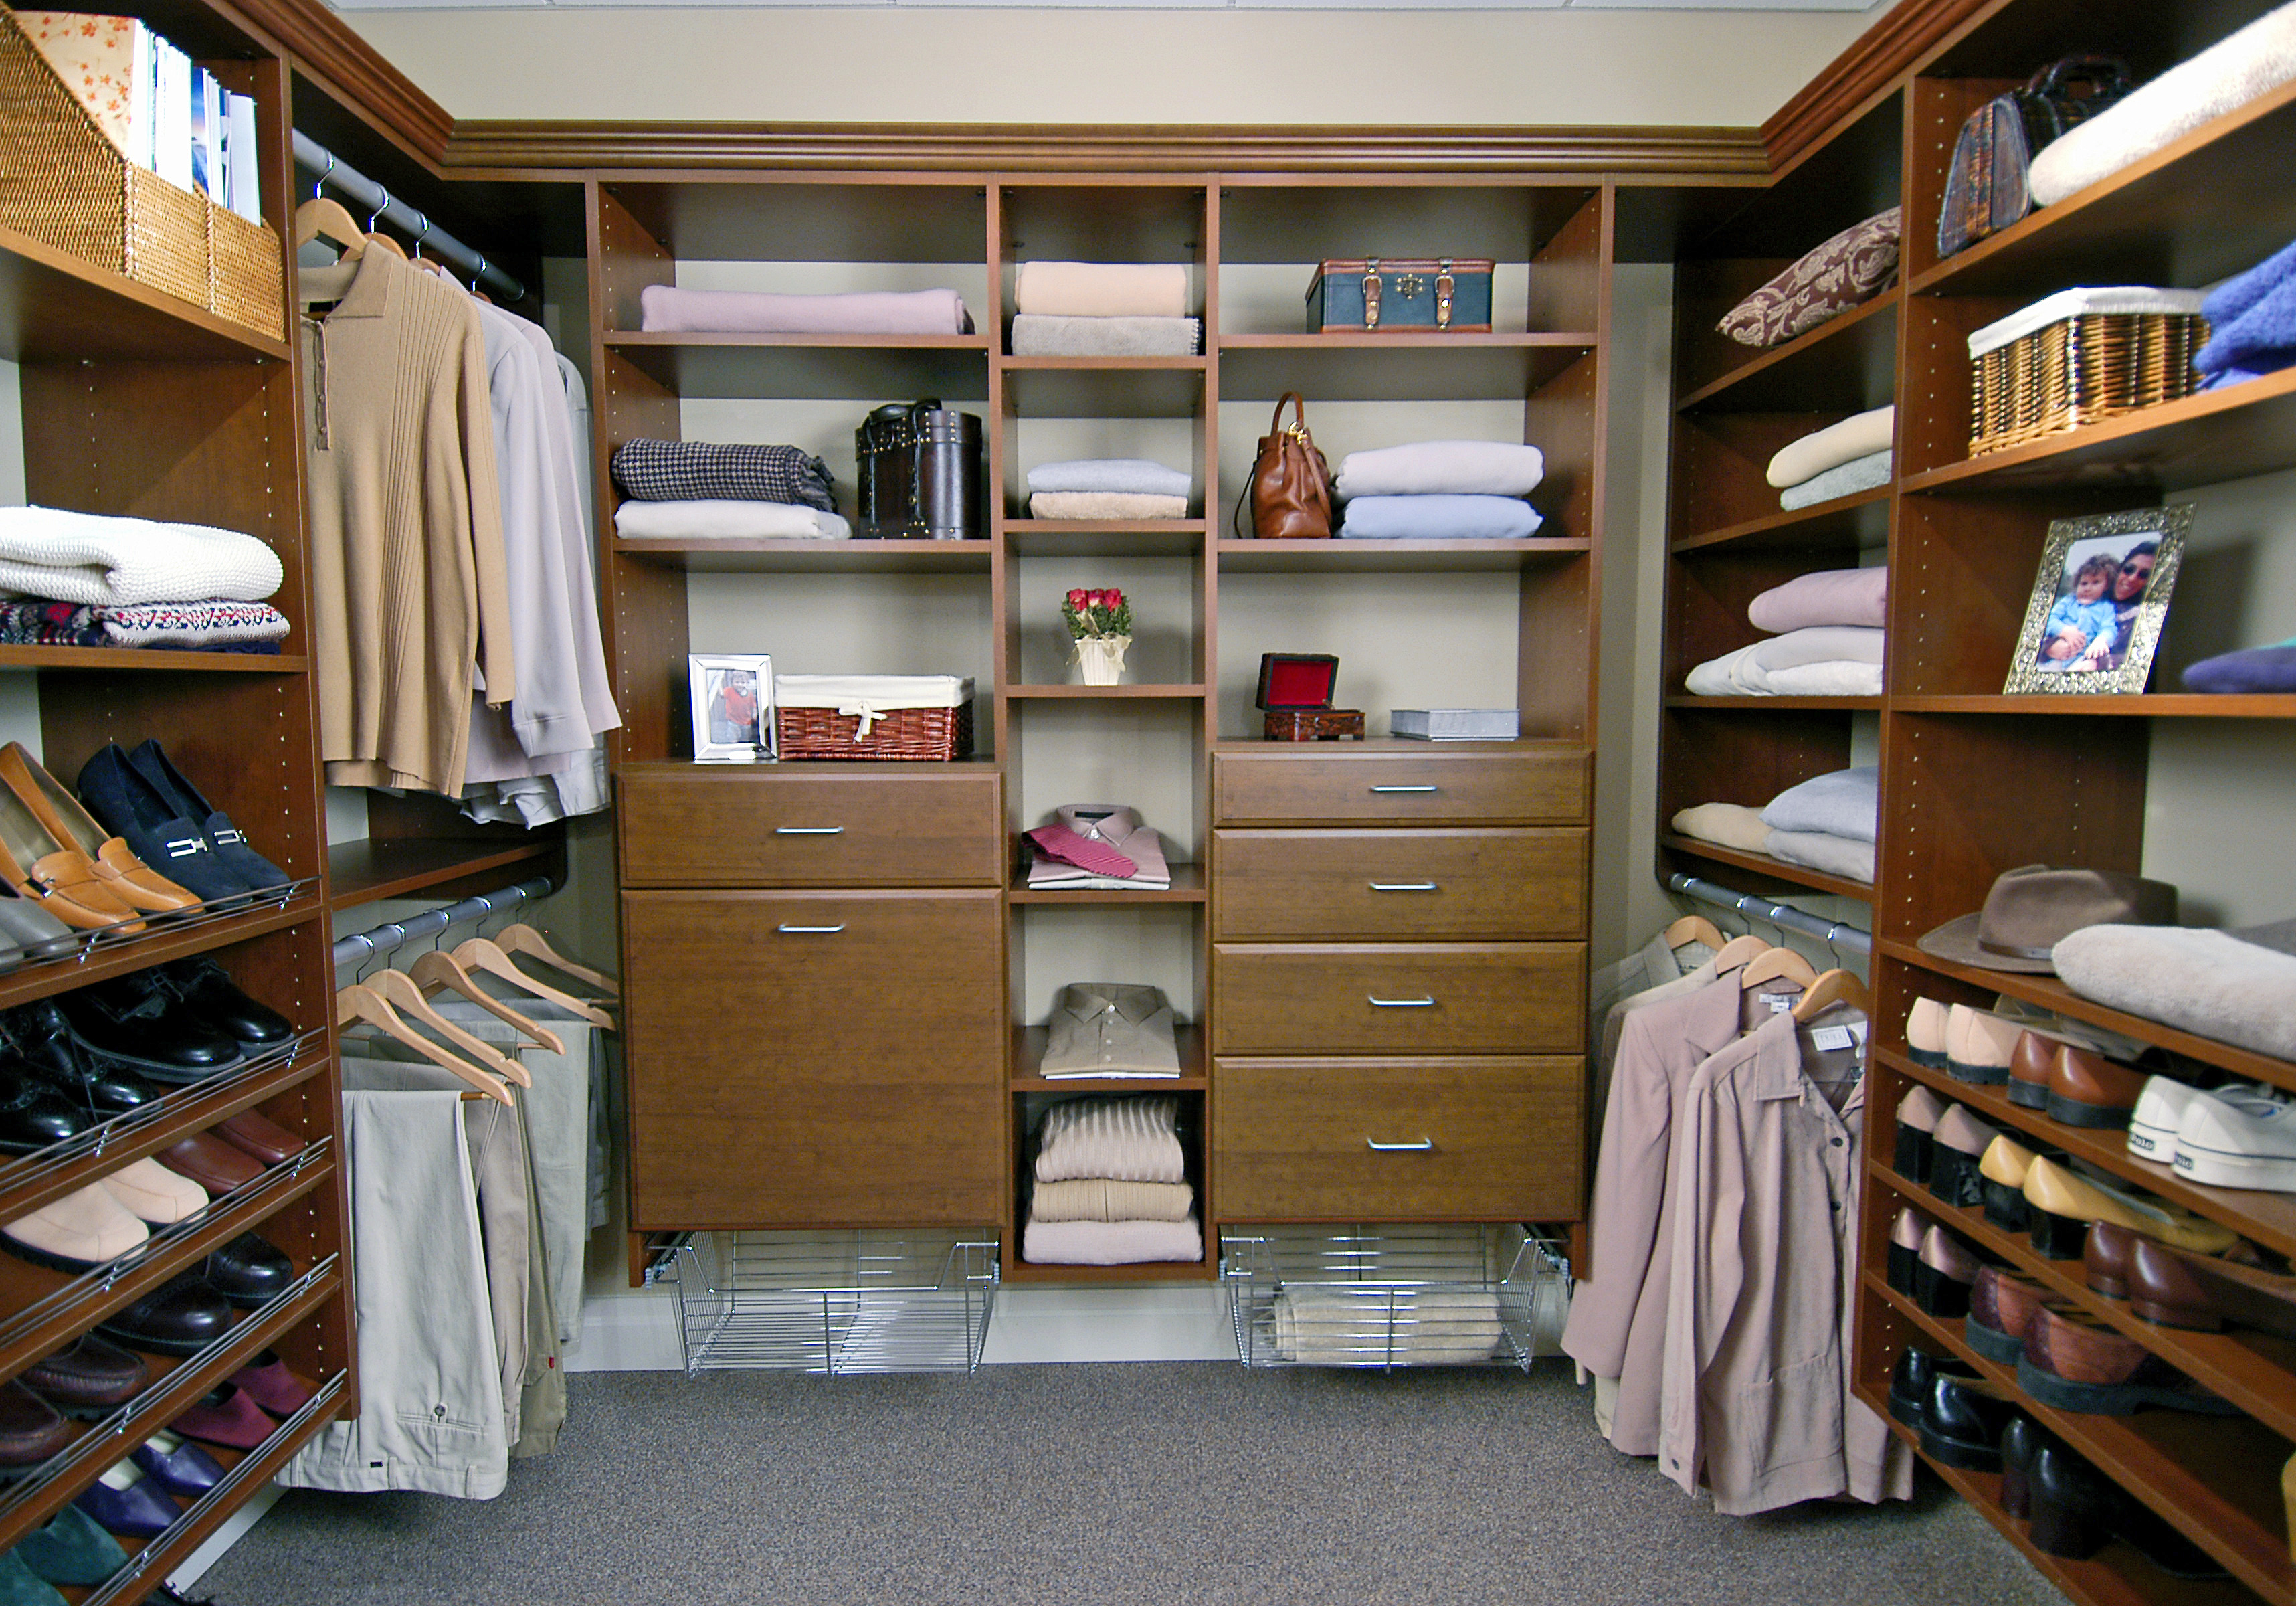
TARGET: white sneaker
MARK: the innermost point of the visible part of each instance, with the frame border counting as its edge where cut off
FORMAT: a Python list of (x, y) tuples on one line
[(2237, 1138), (2160, 1113)]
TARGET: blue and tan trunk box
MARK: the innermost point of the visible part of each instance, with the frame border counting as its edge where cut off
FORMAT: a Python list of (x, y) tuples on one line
[(1407, 294)]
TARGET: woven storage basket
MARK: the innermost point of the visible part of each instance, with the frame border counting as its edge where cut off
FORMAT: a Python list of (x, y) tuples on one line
[(2078, 371), (64, 184), (899, 733)]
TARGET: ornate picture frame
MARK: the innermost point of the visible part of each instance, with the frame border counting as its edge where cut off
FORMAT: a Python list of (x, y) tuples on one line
[(733, 698), (2093, 621)]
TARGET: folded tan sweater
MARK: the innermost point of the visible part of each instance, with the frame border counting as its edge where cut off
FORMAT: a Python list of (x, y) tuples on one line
[(1106, 1199)]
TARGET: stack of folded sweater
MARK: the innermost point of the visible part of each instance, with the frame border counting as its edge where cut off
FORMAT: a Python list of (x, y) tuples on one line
[(1840, 460), (1104, 310), (91, 581), (665, 307), (1108, 487), (1439, 491), (1828, 641), (696, 490), (1828, 822), (1112, 1186), (2251, 323)]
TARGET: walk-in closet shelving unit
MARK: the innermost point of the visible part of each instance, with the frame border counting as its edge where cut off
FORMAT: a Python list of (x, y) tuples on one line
[(885, 1074), (1964, 538), (136, 403)]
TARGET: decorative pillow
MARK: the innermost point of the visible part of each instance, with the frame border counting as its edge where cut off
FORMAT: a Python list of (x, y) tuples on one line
[(1851, 268)]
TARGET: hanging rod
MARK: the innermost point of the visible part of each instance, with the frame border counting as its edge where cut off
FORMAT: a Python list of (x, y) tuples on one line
[(1837, 934), (363, 945), (320, 162)]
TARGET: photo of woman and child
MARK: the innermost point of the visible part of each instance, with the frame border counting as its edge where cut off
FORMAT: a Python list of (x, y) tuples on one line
[(2100, 589)]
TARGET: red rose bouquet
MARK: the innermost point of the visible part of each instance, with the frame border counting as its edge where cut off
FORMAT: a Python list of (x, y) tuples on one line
[(1093, 615)]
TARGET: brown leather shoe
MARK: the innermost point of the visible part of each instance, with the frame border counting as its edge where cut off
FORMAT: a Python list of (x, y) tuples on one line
[(89, 1378), (2178, 1289), (2074, 1362), (59, 814), (31, 1430), (258, 1135), (2002, 1308), (2105, 1258), (2029, 1064), (57, 878), (2088, 1089), (210, 1162)]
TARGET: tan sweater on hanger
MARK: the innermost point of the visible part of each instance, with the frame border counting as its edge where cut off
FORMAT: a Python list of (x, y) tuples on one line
[(407, 538)]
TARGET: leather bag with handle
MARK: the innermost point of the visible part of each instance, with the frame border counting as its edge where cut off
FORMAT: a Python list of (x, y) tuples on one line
[(1290, 490), (1985, 188)]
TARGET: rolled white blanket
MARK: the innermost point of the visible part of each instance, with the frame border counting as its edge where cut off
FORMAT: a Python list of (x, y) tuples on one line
[(94, 558), (1860, 435), (1102, 289), (2224, 77), (1489, 468), (665, 307), (2211, 983), (724, 519), (1126, 1140), (1082, 1243), (1724, 825)]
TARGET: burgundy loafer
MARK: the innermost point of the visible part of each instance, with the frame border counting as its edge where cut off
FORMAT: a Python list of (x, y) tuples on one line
[(266, 1381), (228, 1417)]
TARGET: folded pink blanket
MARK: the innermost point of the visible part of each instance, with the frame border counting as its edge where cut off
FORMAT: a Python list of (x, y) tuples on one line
[(1853, 597), (1102, 289), (1110, 1243), (665, 307)]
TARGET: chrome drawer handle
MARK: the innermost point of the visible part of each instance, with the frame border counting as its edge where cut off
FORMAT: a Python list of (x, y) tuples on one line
[(808, 830), (806, 931), (1399, 1148), (1407, 788), (1405, 886), (1390, 1003)]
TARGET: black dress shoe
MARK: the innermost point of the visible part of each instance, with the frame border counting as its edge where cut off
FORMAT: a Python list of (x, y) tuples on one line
[(1961, 1424), (250, 1272), (150, 762), (180, 1317), (128, 806), (208, 992), (89, 1378), (31, 1430), (42, 1035), (1914, 1377), (2021, 1440), (32, 1114), (2072, 1504), (132, 1018)]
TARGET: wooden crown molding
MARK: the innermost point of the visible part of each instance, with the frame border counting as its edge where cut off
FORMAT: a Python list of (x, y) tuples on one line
[(321, 46), (1881, 54), (1593, 153)]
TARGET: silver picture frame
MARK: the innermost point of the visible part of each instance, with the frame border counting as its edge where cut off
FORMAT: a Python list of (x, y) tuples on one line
[(733, 699), (2074, 643)]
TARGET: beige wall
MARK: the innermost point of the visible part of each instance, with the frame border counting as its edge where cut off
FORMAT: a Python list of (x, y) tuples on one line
[(1021, 66)]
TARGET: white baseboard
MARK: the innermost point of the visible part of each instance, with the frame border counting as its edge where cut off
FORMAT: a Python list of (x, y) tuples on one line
[(232, 1530)]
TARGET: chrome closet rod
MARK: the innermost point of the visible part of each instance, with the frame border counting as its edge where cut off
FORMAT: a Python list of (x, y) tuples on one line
[(378, 203), (1835, 934), (363, 945)]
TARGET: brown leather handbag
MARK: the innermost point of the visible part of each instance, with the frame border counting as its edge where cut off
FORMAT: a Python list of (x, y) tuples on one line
[(1290, 490)]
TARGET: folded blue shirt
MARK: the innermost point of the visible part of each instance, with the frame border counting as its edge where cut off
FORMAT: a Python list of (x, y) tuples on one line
[(1442, 517), (1137, 476)]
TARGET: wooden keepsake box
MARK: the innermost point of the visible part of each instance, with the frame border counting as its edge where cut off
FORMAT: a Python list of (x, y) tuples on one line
[(1314, 724)]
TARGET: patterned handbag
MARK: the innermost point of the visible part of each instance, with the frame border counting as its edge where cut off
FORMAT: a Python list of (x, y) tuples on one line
[(1985, 188)]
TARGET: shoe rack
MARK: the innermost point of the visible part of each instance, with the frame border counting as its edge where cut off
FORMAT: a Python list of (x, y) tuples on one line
[(1963, 540)]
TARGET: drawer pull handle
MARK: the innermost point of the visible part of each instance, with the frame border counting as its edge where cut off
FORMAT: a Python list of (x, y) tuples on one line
[(1407, 788), (1424, 1143), (808, 830), (810, 931), (1385, 1003), (1406, 886)]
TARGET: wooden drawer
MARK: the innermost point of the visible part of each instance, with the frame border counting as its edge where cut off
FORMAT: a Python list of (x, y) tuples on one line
[(1489, 1140), (1456, 885), (1496, 786), (862, 824), (803, 1059), (1423, 998)]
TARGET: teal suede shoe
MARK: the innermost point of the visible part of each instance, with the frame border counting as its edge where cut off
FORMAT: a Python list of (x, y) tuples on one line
[(19, 1586), (73, 1549)]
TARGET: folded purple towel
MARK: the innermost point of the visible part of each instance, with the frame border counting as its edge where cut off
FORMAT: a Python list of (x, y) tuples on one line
[(2255, 669), (753, 312)]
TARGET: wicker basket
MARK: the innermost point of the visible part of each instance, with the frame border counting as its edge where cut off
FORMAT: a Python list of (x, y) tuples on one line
[(899, 733), (2080, 370), (63, 182)]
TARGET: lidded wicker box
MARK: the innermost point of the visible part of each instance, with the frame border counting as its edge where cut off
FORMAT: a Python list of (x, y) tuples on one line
[(2079, 357), (872, 716), (63, 182)]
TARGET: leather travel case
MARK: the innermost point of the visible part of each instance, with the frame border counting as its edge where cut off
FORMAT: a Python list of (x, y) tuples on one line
[(1400, 292), (921, 476)]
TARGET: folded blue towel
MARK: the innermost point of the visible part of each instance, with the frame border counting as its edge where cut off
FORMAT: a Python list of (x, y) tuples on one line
[(2255, 669), (1136, 476), (2242, 291), (2251, 319), (1440, 518)]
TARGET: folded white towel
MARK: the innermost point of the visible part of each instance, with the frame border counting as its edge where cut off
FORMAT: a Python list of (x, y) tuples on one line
[(1489, 468), (717, 520), (1860, 435), (91, 558), (1816, 849), (1137, 475), (2076, 303), (1102, 289), (1716, 677), (1124, 1139), (1816, 644), (1110, 1243), (2224, 77), (1831, 678)]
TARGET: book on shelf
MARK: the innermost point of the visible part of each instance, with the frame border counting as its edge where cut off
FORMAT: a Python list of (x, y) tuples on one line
[(1455, 724)]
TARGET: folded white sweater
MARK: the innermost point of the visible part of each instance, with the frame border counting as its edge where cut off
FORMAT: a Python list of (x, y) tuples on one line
[(90, 558), (1126, 1140), (1860, 435)]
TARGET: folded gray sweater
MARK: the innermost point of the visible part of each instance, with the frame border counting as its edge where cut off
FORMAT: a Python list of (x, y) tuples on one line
[(2213, 984)]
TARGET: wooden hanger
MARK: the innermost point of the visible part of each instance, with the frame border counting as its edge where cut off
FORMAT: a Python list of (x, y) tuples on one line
[(1777, 964), (378, 238), (1834, 987), (1739, 951), (321, 219), (524, 939), (1693, 929), (400, 991), (437, 972), (360, 1003), (479, 954), (427, 265)]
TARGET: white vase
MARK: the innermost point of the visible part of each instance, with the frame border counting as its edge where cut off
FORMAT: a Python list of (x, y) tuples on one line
[(1100, 659)]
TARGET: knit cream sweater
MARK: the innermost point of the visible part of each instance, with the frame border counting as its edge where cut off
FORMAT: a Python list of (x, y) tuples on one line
[(407, 539)]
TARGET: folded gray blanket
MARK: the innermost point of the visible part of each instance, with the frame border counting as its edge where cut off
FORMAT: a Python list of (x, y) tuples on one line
[(1868, 473), (2213, 984), (752, 312), (1136, 475), (1043, 335), (698, 471), (1844, 802), (1835, 855)]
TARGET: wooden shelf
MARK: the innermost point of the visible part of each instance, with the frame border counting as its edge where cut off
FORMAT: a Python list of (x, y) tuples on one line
[(1103, 693), (953, 368), (1188, 888), (154, 658), (1396, 366), (1846, 365), (1103, 387), (1337, 554), (1028, 1054), (56, 308), (1758, 704), (811, 557), (2171, 705), (1852, 523), (368, 871), (1018, 1271), (1103, 537), (154, 945), (1777, 869)]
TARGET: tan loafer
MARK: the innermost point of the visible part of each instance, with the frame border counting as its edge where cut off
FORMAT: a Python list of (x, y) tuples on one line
[(1925, 1027), (1978, 1045), (137, 884), (2064, 1203), (155, 1194), (2002, 1173), (59, 878)]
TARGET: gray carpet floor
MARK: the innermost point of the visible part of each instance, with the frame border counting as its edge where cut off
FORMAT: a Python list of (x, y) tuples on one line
[(1102, 1486)]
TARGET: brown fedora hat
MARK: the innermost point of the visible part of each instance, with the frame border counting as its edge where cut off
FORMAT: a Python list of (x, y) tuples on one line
[(2030, 907)]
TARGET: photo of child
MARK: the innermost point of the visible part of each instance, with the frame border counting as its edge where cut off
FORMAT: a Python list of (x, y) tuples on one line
[(2080, 632), (734, 705), (2100, 596)]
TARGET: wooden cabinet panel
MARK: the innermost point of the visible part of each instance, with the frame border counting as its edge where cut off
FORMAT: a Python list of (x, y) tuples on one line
[(1398, 1140), (1458, 884), (690, 825), (1521, 786), (814, 1059), (1364, 998)]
